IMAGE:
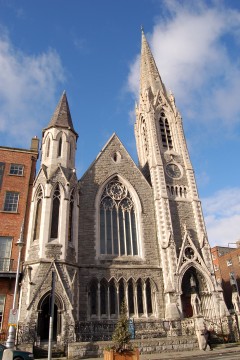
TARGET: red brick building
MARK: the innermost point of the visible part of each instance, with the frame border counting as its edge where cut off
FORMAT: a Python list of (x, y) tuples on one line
[(17, 173), (226, 262)]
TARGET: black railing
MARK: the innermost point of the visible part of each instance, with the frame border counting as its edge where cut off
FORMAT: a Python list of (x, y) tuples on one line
[(94, 330), (102, 330), (7, 264)]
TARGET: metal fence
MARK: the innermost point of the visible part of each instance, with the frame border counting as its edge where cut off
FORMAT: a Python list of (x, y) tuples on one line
[(7, 264)]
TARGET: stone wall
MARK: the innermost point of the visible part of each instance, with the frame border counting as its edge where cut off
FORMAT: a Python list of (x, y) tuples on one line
[(146, 346)]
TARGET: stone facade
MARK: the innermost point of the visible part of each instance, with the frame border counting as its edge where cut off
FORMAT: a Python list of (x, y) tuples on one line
[(122, 232)]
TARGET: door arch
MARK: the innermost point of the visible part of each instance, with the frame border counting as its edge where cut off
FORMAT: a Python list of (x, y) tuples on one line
[(44, 309)]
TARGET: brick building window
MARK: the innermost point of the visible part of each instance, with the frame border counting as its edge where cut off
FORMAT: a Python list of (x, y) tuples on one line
[(229, 262), (2, 166), (11, 201), (2, 303), (16, 169), (216, 268), (5, 253)]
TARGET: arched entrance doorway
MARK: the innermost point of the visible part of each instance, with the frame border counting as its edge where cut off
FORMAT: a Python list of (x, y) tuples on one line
[(190, 291), (44, 309)]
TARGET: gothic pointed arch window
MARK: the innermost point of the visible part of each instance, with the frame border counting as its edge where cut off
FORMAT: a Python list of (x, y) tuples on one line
[(55, 213), (70, 222), (118, 225), (165, 131), (93, 293), (60, 146), (38, 215), (131, 308), (140, 297), (48, 147), (149, 297)]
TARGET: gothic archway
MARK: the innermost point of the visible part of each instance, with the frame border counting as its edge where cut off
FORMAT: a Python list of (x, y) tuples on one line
[(44, 308), (190, 286)]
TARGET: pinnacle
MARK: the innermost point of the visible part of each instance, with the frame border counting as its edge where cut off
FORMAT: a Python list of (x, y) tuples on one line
[(149, 76), (62, 116)]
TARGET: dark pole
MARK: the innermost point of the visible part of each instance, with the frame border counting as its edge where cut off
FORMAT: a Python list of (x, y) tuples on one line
[(51, 317)]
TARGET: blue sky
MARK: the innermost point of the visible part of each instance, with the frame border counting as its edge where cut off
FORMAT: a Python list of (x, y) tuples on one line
[(90, 48)]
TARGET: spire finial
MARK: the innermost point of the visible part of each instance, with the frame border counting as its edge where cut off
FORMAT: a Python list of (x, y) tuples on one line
[(142, 28)]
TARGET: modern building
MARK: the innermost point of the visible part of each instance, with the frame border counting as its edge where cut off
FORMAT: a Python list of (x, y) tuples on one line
[(123, 231), (226, 262), (17, 172)]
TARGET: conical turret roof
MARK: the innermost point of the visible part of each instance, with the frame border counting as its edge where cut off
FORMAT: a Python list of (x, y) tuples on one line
[(62, 116), (149, 74)]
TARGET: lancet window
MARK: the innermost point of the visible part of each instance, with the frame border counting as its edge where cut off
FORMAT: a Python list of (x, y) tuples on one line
[(106, 297), (70, 223), (60, 147), (55, 213), (118, 233), (144, 136), (165, 131), (38, 215), (48, 147)]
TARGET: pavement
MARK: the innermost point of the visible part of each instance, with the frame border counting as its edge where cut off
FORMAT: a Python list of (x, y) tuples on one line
[(218, 350)]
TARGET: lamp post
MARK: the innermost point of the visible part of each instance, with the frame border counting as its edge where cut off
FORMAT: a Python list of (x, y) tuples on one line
[(14, 311)]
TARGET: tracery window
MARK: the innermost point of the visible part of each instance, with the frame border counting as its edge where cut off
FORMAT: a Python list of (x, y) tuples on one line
[(165, 131), (118, 234), (38, 215), (55, 213)]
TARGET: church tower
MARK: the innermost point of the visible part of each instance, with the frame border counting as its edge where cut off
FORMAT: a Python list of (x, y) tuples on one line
[(52, 244), (190, 286)]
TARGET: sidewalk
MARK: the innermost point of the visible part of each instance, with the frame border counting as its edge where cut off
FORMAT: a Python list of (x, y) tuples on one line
[(218, 350)]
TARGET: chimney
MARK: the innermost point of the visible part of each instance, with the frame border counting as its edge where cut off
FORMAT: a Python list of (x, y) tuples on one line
[(34, 144)]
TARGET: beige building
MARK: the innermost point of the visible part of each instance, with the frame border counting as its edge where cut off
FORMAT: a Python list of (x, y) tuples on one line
[(122, 231)]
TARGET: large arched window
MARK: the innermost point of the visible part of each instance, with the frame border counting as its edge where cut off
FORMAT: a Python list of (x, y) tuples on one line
[(55, 213), (118, 233), (38, 215)]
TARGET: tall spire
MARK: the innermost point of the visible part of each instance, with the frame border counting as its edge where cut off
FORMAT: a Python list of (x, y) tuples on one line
[(149, 75), (62, 116)]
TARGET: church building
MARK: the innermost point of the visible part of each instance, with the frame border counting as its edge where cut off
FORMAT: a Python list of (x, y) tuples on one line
[(124, 231)]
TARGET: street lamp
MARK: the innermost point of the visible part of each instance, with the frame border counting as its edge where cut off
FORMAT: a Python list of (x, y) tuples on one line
[(14, 311)]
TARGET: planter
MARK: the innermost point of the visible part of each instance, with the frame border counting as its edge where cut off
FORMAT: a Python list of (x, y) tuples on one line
[(125, 355)]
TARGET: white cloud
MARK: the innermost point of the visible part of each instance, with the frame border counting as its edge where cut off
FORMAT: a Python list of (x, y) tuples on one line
[(27, 92), (222, 216), (191, 48)]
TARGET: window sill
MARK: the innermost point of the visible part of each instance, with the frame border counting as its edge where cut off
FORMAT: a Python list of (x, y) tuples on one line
[(15, 175), (9, 212)]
